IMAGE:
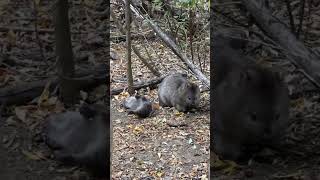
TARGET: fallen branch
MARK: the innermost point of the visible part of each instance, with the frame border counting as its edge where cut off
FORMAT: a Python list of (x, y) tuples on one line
[(173, 47), (302, 57), (135, 50), (24, 92), (152, 84), (42, 30)]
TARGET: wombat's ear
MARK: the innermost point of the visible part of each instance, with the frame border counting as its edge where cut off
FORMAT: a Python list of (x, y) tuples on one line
[(277, 75), (193, 85), (87, 111), (144, 98), (184, 75), (248, 75), (186, 85)]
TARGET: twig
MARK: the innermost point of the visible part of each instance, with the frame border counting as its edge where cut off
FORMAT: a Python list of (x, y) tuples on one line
[(2, 107), (227, 3), (42, 30), (229, 18), (173, 47), (36, 30), (198, 54), (290, 16), (137, 86), (301, 18), (135, 50)]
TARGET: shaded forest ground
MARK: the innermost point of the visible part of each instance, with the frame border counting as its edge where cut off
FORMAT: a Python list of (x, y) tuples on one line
[(299, 157), (26, 57), (150, 148)]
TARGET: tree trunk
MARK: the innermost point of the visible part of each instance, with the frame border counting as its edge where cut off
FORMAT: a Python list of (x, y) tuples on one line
[(128, 38), (65, 63), (295, 50)]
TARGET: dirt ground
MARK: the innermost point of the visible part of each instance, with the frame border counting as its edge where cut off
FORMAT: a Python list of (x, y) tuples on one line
[(151, 148), (28, 55), (298, 158), (23, 155)]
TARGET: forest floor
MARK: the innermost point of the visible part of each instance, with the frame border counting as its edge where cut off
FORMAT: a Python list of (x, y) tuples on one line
[(298, 157), (24, 156), (151, 148), (28, 55), (142, 148)]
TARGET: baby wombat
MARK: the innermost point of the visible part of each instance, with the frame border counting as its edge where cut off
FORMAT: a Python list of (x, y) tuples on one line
[(138, 105), (251, 103), (80, 138), (175, 90)]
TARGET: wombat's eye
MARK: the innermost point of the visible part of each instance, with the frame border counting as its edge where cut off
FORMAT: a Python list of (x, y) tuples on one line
[(253, 116)]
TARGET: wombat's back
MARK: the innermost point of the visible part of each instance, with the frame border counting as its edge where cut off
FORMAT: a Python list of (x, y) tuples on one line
[(251, 103), (168, 88), (80, 137), (138, 105), (226, 56), (175, 90)]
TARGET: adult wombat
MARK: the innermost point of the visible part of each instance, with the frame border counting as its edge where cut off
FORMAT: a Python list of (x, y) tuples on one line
[(138, 105), (176, 91), (251, 103), (81, 138)]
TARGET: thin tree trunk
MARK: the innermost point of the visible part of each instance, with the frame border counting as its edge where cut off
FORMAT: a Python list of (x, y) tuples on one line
[(65, 63), (135, 50), (174, 48), (128, 38), (302, 57)]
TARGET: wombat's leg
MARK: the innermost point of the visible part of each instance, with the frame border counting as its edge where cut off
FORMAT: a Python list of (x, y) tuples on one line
[(227, 149), (277, 141), (130, 111), (161, 102), (63, 155), (180, 108)]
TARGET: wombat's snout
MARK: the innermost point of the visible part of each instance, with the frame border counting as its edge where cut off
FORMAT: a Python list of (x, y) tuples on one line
[(267, 133)]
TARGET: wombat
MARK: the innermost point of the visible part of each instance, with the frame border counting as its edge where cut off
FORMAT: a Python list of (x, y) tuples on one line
[(226, 54), (176, 91), (138, 105), (80, 138), (251, 103)]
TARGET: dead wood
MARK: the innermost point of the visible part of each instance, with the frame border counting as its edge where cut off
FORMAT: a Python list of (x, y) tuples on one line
[(173, 47), (135, 50), (152, 84), (302, 57), (41, 30), (24, 92)]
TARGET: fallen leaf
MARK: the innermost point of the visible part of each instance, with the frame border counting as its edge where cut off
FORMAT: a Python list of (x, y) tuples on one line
[(11, 37), (155, 106), (37, 2), (137, 130), (227, 167), (30, 155), (178, 113), (83, 95), (20, 113), (44, 95), (11, 121), (160, 173)]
